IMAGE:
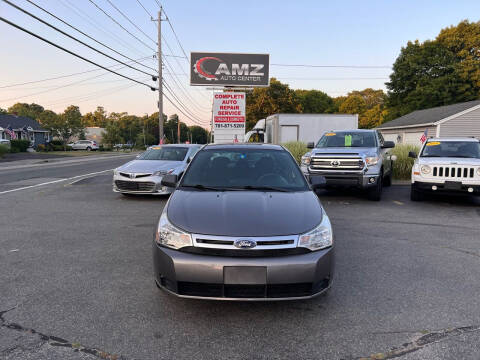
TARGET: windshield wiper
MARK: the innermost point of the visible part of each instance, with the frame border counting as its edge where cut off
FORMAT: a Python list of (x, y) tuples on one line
[(261, 188), (431, 156), (203, 187)]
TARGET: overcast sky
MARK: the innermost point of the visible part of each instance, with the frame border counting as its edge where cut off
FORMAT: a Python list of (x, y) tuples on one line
[(365, 33)]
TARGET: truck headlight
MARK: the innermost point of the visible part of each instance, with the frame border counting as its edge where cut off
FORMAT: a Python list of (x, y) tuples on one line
[(372, 160), (319, 238), (425, 169), (306, 160), (170, 236)]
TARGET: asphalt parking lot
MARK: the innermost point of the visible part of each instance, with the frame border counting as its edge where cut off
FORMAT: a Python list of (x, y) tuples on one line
[(76, 282)]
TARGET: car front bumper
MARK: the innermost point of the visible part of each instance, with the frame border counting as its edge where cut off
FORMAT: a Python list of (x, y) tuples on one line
[(352, 179), (450, 188), (150, 185), (287, 277)]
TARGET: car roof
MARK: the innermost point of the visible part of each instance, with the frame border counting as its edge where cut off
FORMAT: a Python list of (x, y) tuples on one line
[(355, 130), (256, 146), (466, 139), (177, 145)]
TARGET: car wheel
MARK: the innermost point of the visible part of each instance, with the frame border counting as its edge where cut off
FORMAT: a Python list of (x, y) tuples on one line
[(375, 193), (415, 195), (388, 180), (89, 148)]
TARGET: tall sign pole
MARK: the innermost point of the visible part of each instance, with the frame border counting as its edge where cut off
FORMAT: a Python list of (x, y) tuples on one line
[(160, 79)]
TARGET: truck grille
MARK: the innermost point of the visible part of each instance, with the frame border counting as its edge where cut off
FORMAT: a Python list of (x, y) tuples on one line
[(453, 172), (336, 162), (135, 186)]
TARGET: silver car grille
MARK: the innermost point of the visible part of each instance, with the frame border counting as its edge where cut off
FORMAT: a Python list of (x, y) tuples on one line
[(134, 175), (143, 186), (262, 243), (453, 172), (337, 162)]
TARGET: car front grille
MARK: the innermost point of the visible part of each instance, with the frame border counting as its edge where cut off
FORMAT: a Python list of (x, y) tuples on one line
[(257, 291), (135, 186), (453, 172), (212, 242), (337, 162), (135, 176), (245, 253)]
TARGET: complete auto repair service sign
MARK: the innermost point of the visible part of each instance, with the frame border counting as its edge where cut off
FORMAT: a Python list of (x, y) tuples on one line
[(229, 117)]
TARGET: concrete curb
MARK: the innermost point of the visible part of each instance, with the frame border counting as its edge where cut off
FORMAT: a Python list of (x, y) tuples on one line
[(47, 162), (401, 182)]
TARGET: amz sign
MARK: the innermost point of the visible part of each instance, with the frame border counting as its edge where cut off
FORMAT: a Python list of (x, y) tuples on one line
[(229, 69)]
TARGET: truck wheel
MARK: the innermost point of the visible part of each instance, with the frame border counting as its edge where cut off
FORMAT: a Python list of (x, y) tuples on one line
[(375, 193), (388, 180), (415, 195)]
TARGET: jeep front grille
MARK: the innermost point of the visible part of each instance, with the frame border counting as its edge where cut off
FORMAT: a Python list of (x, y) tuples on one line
[(453, 172)]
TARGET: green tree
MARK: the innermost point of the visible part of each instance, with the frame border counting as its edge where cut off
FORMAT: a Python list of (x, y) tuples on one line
[(111, 135), (314, 101), (32, 111), (3, 111), (198, 134), (67, 125)]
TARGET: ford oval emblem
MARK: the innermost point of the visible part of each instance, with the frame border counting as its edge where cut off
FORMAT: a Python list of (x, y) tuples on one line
[(245, 244)]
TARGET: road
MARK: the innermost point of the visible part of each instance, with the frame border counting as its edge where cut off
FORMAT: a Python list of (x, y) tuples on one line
[(76, 281)]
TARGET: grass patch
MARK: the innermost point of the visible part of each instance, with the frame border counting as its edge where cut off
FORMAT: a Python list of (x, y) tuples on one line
[(297, 149), (402, 167)]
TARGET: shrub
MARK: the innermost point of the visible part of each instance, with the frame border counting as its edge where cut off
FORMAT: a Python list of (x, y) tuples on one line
[(3, 150), (297, 149), (41, 147), (56, 142), (19, 145), (402, 167)]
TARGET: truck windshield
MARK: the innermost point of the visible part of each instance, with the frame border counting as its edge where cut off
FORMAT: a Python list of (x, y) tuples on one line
[(244, 169), (169, 153), (456, 149), (347, 139)]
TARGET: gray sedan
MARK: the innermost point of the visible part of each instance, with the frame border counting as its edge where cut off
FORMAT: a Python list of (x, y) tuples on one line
[(144, 174), (243, 224)]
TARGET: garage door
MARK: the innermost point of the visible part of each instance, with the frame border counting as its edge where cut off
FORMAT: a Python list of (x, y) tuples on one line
[(413, 138)]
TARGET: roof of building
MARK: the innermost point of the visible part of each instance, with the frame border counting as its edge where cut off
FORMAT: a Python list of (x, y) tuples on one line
[(429, 116), (18, 122)]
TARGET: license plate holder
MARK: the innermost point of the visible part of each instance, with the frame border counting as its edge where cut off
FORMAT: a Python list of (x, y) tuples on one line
[(245, 275), (453, 185)]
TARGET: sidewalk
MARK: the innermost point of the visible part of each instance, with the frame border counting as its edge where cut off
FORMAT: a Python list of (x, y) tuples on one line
[(58, 160)]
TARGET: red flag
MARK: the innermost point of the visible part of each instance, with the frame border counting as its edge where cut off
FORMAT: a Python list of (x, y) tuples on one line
[(424, 136)]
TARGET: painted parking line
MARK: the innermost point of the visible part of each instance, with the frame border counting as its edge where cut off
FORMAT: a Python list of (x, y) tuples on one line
[(54, 181)]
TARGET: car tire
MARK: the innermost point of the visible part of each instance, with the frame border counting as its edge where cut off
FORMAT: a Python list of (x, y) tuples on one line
[(375, 193), (388, 180), (415, 195), (89, 148)]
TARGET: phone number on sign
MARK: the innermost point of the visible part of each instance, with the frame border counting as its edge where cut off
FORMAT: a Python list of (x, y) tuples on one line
[(229, 126)]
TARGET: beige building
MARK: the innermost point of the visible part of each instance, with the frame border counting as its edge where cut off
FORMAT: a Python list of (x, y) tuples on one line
[(462, 119)]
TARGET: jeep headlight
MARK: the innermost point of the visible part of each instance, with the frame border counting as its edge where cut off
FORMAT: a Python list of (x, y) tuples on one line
[(319, 238), (306, 159), (170, 236), (372, 160), (425, 169)]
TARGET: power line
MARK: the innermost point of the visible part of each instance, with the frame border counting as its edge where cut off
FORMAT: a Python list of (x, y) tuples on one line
[(60, 77), (174, 33), (116, 22), (72, 53), (336, 66), (130, 21), (339, 78), (170, 101), (74, 38), (148, 12), (88, 36)]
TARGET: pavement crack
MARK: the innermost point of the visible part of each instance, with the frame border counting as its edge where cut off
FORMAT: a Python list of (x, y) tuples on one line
[(420, 341), (52, 340)]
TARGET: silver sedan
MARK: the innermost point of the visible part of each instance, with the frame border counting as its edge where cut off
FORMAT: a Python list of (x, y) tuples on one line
[(144, 174)]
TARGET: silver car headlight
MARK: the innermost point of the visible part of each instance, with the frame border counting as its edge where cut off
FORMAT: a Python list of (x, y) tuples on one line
[(163, 172), (425, 169), (115, 172), (170, 236), (319, 238), (372, 160)]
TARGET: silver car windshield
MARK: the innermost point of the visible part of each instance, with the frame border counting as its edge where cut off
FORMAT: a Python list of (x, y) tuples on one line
[(244, 169), (168, 153), (347, 139), (457, 149)]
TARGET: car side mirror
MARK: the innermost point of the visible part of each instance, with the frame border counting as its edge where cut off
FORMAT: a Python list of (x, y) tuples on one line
[(169, 180), (388, 145), (317, 182), (310, 145), (412, 154)]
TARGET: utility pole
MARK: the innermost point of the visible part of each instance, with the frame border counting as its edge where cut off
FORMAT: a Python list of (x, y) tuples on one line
[(160, 79), (178, 130)]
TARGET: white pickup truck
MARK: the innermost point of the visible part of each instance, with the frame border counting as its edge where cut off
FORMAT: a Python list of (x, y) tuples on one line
[(449, 165)]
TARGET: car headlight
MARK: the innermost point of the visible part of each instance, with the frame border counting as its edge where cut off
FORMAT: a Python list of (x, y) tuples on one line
[(163, 172), (425, 169), (306, 159), (372, 160), (319, 238), (170, 236), (115, 172), (478, 171)]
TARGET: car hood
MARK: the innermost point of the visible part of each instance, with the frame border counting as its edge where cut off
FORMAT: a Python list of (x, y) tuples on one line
[(448, 161), (344, 151), (244, 213), (135, 166)]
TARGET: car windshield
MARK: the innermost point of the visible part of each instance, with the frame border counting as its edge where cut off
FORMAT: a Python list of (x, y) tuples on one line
[(168, 153), (244, 169), (347, 139), (457, 149)]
